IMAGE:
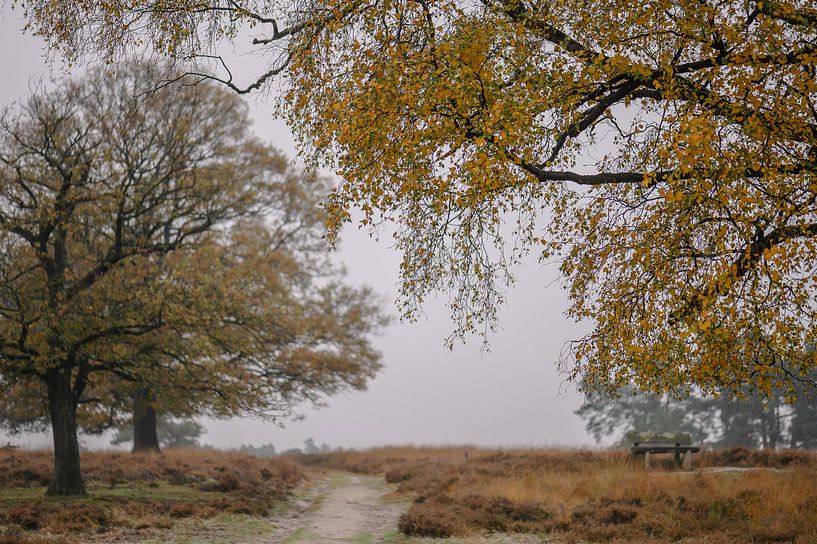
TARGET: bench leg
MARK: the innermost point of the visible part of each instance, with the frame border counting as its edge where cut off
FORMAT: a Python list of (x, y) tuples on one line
[(687, 460), (677, 458), (646, 459)]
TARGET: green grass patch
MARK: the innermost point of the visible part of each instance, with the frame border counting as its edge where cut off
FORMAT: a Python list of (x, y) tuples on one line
[(363, 538), (223, 529), (103, 493), (298, 536)]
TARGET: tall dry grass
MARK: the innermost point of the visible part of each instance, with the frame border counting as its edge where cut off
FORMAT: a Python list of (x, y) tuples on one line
[(599, 496)]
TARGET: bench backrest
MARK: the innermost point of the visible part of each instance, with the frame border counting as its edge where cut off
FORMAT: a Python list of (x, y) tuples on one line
[(659, 438)]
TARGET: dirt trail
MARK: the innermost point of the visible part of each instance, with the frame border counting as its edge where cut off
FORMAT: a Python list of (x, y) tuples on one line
[(343, 508)]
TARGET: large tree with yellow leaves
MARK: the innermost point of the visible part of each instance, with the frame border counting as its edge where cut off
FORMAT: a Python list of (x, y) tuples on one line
[(664, 150)]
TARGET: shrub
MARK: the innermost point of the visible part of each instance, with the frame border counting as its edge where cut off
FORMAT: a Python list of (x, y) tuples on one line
[(598, 496), (242, 484)]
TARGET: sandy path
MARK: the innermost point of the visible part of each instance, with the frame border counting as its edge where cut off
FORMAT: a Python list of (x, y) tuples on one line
[(343, 508)]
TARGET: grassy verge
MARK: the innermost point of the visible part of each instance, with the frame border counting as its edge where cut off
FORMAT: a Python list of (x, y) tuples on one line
[(179, 496), (586, 496)]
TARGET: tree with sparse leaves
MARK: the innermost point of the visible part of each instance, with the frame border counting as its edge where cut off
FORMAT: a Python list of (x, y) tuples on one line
[(744, 419), (151, 248), (634, 411), (664, 151), (803, 425)]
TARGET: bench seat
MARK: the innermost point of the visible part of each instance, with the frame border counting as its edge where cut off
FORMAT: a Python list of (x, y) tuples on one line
[(645, 444), (663, 448)]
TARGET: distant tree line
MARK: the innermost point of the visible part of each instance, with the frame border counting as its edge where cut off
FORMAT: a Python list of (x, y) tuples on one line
[(744, 418), (186, 433), (268, 450)]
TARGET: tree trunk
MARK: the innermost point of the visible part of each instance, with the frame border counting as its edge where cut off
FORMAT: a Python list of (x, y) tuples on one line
[(776, 437), (795, 426), (764, 431), (145, 435), (62, 407)]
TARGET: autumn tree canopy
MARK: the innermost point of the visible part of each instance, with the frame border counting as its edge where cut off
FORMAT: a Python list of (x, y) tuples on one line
[(150, 243), (663, 150)]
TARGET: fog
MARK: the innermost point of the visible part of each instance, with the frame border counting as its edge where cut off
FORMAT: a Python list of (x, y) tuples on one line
[(509, 395)]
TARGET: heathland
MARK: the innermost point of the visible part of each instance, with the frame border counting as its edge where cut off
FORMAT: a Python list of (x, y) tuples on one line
[(462, 494)]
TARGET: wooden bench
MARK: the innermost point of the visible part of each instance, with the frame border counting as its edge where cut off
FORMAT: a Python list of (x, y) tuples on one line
[(646, 444)]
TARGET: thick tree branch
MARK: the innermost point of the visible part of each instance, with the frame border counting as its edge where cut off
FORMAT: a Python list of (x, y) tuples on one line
[(745, 262), (652, 178), (788, 13)]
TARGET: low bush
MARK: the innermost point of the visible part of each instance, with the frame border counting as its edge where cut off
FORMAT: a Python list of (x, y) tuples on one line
[(444, 516), (746, 458), (233, 471), (17, 537), (137, 491)]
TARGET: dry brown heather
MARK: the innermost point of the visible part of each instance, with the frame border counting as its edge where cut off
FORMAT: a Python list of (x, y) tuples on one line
[(598, 496), (136, 491)]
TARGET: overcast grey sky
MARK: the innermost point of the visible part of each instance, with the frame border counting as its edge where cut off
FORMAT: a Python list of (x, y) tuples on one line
[(510, 396)]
